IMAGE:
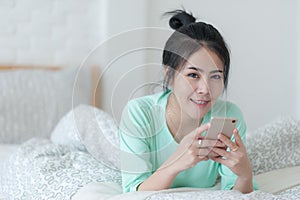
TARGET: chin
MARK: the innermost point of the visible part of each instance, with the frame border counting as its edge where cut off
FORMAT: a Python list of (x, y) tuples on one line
[(198, 116)]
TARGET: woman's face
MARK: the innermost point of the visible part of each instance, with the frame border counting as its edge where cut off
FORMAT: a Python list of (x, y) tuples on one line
[(198, 84)]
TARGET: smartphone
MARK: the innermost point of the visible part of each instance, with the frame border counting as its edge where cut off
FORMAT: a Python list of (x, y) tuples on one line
[(219, 125)]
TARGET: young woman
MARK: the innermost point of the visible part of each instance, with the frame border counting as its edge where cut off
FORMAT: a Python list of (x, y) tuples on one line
[(162, 135)]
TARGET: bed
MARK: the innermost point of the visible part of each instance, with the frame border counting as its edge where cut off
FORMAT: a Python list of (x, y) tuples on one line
[(33, 99), (69, 150)]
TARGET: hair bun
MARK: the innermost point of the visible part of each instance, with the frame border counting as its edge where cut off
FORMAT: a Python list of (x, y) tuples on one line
[(180, 18)]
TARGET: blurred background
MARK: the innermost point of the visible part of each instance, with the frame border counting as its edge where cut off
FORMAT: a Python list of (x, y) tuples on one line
[(125, 39)]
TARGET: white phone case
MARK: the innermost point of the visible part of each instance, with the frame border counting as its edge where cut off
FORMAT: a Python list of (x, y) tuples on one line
[(221, 125)]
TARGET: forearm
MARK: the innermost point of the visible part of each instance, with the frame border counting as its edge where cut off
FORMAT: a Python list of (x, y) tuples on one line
[(244, 185), (161, 179)]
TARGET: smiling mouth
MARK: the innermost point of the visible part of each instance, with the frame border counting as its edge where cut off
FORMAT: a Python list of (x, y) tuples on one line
[(200, 102)]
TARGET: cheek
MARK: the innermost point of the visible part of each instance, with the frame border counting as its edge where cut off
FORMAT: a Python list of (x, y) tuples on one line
[(183, 93), (216, 90), (182, 86)]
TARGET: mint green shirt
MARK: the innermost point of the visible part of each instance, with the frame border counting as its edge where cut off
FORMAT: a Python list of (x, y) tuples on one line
[(146, 143)]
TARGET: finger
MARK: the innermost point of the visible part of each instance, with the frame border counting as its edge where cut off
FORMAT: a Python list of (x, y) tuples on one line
[(221, 152), (219, 160), (211, 143), (208, 152), (226, 141), (212, 154), (197, 133), (201, 129), (204, 152), (237, 137), (203, 158)]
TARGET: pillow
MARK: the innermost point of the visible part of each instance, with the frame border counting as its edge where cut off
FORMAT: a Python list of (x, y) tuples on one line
[(33, 101), (90, 129), (274, 146)]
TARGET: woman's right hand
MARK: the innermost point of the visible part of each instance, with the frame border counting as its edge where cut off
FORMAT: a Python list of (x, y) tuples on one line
[(189, 152)]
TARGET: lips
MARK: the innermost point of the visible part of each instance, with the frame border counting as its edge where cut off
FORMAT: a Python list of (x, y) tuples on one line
[(200, 102)]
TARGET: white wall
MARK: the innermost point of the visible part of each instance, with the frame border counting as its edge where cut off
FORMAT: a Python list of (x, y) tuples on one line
[(122, 60), (298, 64), (55, 32)]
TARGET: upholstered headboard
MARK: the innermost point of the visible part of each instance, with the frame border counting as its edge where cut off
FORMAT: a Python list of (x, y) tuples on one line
[(34, 98), (94, 71)]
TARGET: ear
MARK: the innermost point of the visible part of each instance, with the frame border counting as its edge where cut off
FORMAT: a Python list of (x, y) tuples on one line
[(166, 69)]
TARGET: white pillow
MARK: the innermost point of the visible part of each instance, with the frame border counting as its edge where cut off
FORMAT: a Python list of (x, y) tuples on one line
[(275, 146), (90, 129), (33, 101)]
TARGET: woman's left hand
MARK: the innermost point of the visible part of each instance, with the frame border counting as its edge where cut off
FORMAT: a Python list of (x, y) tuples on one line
[(236, 159)]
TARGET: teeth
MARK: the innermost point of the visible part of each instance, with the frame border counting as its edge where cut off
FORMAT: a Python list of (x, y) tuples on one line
[(199, 102)]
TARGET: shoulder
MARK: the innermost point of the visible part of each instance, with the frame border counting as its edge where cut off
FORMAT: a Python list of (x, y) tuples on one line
[(227, 108), (143, 112), (144, 105)]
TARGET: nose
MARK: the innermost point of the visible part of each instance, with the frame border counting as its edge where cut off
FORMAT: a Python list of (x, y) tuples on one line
[(202, 86)]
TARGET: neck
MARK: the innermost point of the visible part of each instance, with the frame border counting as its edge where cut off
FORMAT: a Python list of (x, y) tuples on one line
[(179, 123)]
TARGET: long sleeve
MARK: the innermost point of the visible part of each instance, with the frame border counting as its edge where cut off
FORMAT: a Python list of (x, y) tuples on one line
[(136, 154)]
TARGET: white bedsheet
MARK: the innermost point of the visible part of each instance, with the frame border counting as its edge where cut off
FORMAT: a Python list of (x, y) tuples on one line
[(279, 180), (270, 183)]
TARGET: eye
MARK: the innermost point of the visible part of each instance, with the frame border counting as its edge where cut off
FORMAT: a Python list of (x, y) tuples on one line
[(193, 75), (216, 77)]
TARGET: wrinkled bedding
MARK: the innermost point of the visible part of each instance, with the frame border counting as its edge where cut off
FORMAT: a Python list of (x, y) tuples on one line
[(40, 169)]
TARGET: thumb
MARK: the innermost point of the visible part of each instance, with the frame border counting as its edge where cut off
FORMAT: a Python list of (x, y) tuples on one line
[(201, 129), (237, 137)]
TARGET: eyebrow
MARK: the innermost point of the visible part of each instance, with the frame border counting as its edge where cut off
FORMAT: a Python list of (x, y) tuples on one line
[(201, 70)]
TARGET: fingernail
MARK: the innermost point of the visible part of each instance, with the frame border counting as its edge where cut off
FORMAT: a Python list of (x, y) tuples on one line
[(208, 125)]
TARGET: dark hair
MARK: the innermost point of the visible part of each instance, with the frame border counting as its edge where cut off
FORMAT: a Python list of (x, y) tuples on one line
[(188, 38)]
